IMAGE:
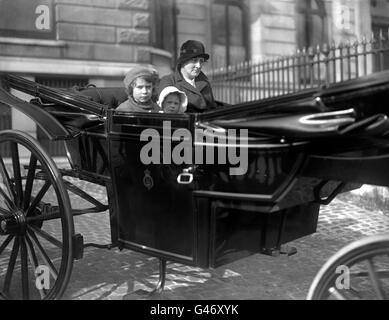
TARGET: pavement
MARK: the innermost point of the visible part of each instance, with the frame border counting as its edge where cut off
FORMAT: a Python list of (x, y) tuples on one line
[(114, 275)]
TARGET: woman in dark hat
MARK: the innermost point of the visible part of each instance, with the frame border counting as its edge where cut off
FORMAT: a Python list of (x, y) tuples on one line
[(189, 78)]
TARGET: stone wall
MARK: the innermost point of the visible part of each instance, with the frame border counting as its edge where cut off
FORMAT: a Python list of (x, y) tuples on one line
[(274, 24), (112, 30), (193, 21), (99, 40), (273, 28)]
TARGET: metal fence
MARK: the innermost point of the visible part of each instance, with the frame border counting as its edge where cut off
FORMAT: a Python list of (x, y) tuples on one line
[(306, 69)]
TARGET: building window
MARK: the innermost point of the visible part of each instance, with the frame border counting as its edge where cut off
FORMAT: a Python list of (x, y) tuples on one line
[(312, 23), (380, 27), (27, 19), (381, 59), (229, 33), (164, 29)]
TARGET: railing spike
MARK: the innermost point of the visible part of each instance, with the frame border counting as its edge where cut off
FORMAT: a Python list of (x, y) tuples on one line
[(372, 38), (381, 35), (326, 49), (311, 52), (334, 61)]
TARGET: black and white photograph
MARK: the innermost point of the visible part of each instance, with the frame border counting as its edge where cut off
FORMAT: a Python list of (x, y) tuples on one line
[(194, 154)]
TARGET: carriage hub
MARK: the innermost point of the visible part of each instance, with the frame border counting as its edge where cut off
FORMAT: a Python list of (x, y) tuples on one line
[(13, 224)]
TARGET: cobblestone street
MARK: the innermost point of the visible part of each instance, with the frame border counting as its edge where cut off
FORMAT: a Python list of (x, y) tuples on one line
[(115, 275)]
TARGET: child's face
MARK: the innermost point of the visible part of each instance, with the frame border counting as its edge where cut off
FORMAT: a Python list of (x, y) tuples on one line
[(142, 90), (171, 104)]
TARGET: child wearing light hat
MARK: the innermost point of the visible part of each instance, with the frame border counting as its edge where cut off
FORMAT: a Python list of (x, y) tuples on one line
[(172, 100)]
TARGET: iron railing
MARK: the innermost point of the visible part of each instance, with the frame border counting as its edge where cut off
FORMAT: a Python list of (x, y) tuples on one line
[(306, 69)]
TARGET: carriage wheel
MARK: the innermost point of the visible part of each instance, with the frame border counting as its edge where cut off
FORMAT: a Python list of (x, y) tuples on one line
[(36, 225), (358, 271)]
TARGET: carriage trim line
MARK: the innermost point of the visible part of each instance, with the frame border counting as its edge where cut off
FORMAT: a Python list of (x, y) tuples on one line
[(282, 145)]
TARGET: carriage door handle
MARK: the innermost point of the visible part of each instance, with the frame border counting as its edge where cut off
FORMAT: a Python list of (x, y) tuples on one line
[(186, 177)]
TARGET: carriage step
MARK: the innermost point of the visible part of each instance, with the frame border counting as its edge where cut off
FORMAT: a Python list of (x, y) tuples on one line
[(78, 246)]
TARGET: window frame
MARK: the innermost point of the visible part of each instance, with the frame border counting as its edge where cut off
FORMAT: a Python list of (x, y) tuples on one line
[(305, 8), (245, 26), (164, 26)]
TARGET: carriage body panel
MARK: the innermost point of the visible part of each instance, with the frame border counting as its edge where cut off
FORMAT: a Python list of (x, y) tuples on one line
[(301, 151)]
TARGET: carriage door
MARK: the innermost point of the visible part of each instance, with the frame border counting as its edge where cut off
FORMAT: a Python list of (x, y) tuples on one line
[(154, 210)]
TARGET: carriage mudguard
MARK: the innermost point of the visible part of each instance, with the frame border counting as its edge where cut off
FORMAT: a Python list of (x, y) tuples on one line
[(49, 124)]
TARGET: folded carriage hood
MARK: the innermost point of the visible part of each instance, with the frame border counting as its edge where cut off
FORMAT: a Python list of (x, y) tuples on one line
[(49, 124), (309, 126), (354, 107)]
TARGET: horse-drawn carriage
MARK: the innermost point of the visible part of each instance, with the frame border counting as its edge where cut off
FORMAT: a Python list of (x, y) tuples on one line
[(198, 189)]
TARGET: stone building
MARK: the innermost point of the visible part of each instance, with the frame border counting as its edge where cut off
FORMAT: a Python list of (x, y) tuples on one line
[(67, 42)]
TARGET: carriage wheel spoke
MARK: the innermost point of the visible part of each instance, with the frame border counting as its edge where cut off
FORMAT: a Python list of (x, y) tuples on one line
[(34, 261), (375, 280), (44, 255), (5, 212), (355, 292), (17, 175), (6, 179), (30, 181), (381, 273), (7, 199), (46, 236), (5, 296), (336, 294), (36, 222), (24, 268), (38, 197), (11, 266), (6, 243)]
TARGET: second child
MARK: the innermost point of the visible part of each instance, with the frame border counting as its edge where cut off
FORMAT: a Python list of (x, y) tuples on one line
[(172, 100)]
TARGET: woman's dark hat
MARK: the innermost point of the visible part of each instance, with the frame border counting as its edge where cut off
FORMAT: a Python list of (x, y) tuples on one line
[(191, 49)]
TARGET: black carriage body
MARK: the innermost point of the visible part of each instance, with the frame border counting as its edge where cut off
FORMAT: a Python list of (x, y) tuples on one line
[(216, 218), (292, 168)]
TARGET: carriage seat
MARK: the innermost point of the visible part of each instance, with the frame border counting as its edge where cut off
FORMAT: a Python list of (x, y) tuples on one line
[(73, 118), (111, 97)]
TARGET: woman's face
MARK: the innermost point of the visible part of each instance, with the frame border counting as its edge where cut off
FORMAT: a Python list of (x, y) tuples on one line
[(192, 68), (171, 104), (142, 90)]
